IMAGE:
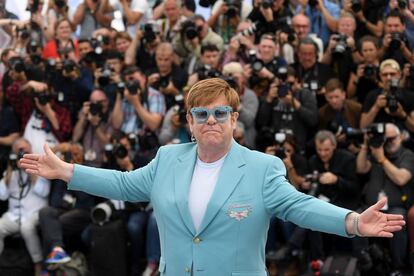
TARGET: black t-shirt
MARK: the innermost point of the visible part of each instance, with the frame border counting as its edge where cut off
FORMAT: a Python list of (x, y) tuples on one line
[(373, 12), (405, 98), (144, 60)]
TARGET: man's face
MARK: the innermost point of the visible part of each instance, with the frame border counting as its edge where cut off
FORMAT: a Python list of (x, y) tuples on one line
[(336, 99), (84, 48), (164, 61), (267, 49), (213, 134), (307, 55), (394, 25), (122, 44), (115, 64), (346, 26), (325, 150), (392, 140), (301, 26), (388, 73), (369, 52), (211, 58), (172, 12)]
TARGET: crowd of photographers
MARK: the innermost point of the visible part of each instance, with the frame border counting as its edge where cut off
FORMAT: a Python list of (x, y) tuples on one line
[(325, 85)]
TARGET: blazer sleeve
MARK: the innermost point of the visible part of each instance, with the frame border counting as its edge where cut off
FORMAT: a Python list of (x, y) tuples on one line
[(284, 201), (131, 186)]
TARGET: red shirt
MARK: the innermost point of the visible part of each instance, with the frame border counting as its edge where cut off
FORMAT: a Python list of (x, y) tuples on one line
[(50, 50)]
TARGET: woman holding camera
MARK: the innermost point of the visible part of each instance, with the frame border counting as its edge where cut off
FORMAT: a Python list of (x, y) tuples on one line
[(57, 10), (62, 46), (365, 77)]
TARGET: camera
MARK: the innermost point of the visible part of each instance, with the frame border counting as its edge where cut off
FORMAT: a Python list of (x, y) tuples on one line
[(96, 109), (313, 178), (189, 29), (392, 96), (313, 3), (36, 59), (42, 97), (233, 8), (163, 81), (98, 42), (17, 64), (206, 72), (280, 138), (149, 33), (256, 63), (69, 65), (375, 132), (370, 70), (356, 6), (23, 32), (60, 3), (396, 40), (105, 77), (115, 150), (102, 213), (33, 46), (133, 87), (181, 110), (249, 31), (14, 157), (341, 45), (231, 81), (266, 4), (402, 4)]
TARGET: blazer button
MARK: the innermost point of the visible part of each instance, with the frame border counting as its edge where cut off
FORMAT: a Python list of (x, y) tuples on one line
[(196, 240), (187, 269)]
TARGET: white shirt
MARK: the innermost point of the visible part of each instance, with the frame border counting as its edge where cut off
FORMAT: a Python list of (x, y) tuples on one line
[(34, 196), (140, 6), (202, 186)]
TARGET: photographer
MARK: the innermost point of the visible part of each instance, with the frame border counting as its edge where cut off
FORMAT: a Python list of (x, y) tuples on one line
[(341, 50), (26, 195), (309, 71), (390, 167), (226, 15), (93, 128), (141, 51), (63, 45), (241, 44), (41, 118), (208, 66), (264, 64), (288, 106), (68, 213), (171, 24), (57, 10), (233, 72), (405, 8), (395, 43), (194, 33), (365, 76), (389, 103), (167, 77), (271, 16), (339, 111), (137, 107)]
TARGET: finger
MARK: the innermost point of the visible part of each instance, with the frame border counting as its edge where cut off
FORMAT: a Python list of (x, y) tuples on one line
[(28, 166), (30, 171), (392, 228), (31, 156), (384, 234), (47, 149), (396, 223), (379, 205), (394, 217), (28, 161)]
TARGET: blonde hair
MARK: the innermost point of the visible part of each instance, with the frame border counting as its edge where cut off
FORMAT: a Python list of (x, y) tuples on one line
[(207, 91), (391, 63)]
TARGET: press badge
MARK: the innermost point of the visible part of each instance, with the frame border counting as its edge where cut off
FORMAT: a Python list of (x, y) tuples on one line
[(90, 155), (60, 96)]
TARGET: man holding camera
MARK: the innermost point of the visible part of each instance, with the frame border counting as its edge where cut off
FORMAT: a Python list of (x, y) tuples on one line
[(288, 107), (26, 195), (167, 77), (170, 25), (389, 103), (241, 43), (93, 128), (209, 65), (68, 213), (395, 43), (91, 15), (390, 167), (194, 33)]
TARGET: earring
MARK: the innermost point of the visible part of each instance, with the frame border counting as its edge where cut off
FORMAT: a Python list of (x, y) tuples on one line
[(193, 139)]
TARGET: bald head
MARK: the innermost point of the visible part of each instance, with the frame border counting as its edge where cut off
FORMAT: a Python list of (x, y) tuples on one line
[(301, 25)]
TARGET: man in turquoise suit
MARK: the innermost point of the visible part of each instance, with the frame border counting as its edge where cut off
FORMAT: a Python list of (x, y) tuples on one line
[(213, 198)]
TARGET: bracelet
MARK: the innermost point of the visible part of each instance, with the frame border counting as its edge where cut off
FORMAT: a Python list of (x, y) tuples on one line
[(355, 226)]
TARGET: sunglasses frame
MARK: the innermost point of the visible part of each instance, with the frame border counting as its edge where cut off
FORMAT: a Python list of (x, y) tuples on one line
[(211, 112)]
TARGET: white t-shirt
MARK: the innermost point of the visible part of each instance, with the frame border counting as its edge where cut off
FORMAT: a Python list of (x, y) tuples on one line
[(38, 132), (140, 6), (202, 186)]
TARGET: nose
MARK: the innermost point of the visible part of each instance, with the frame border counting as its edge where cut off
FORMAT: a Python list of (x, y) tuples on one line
[(211, 120)]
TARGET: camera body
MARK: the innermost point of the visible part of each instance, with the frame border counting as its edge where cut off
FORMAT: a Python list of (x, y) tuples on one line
[(402, 4), (14, 157), (163, 81), (267, 4), (396, 40), (17, 64), (341, 46), (256, 63), (189, 30), (69, 65), (96, 109), (133, 87), (234, 8), (313, 179), (356, 6), (181, 110), (370, 70), (149, 33), (60, 3), (206, 72), (392, 96), (105, 77)]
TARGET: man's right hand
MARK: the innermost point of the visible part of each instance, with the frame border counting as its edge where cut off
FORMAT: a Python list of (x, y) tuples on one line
[(381, 102), (47, 165)]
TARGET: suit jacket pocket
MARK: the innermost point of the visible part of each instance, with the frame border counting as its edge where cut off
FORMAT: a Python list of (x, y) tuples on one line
[(249, 273)]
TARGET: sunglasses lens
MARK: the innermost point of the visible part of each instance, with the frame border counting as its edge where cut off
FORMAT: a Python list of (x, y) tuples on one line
[(221, 114), (201, 115)]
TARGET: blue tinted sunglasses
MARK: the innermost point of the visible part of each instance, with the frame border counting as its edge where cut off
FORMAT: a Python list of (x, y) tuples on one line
[(220, 114)]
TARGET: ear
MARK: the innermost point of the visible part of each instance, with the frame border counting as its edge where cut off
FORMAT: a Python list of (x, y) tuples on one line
[(190, 121), (234, 117)]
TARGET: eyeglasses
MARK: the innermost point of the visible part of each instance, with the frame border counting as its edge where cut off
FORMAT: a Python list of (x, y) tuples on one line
[(220, 114)]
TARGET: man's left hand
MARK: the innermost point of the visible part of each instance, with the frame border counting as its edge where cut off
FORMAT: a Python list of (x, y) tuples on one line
[(328, 178), (378, 153), (374, 223)]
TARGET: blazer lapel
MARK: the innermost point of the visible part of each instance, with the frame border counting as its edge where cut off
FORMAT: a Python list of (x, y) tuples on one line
[(183, 174), (230, 176)]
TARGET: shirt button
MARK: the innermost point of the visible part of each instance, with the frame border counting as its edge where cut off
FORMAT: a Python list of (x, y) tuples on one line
[(196, 240), (187, 269)]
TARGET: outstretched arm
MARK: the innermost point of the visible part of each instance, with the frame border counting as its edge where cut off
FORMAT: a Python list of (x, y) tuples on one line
[(47, 165)]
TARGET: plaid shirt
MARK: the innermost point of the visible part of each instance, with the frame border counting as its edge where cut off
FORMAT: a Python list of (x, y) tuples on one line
[(24, 106)]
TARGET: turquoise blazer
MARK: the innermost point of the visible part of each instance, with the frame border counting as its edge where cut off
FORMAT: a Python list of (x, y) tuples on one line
[(251, 188)]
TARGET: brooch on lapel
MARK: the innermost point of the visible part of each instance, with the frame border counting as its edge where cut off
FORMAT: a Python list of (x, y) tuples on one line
[(239, 211)]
